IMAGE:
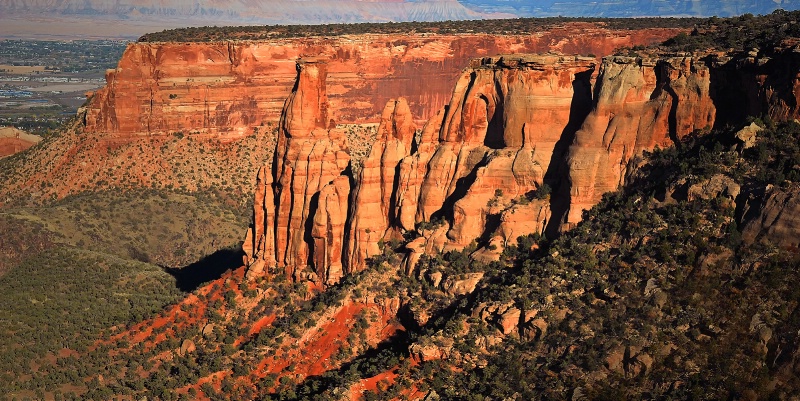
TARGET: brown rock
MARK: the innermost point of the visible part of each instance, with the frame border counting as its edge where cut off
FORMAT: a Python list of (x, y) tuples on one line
[(523, 219), (13, 140), (718, 185), (307, 159), (187, 347), (412, 172), (747, 135), (509, 321), (259, 243), (497, 139), (227, 88), (463, 285), (777, 220)]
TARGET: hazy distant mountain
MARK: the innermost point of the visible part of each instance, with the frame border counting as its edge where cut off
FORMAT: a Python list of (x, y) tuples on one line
[(192, 12), (129, 19), (631, 8)]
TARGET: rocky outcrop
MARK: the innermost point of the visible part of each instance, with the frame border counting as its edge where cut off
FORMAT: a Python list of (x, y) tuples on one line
[(225, 89), (259, 242), (373, 212), (329, 230), (480, 172), (483, 155), (13, 140), (507, 118), (719, 185), (304, 198), (639, 104), (776, 220)]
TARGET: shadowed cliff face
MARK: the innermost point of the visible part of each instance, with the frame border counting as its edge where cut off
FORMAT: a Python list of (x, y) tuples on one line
[(479, 167), (225, 89)]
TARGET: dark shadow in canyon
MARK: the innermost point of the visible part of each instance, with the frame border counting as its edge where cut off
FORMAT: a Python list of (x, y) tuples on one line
[(734, 94), (209, 268), (495, 129), (463, 185), (308, 227), (557, 173)]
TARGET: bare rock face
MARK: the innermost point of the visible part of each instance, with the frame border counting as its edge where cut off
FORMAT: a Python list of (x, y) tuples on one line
[(259, 242), (479, 169), (716, 186), (13, 140), (305, 198), (412, 171), (462, 285), (640, 104), (225, 89), (329, 230), (748, 135), (373, 211), (496, 141), (522, 219), (777, 220)]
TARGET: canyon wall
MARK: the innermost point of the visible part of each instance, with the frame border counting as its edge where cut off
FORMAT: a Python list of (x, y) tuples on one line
[(525, 144), (475, 164), (640, 104), (656, 100), (225, 89)]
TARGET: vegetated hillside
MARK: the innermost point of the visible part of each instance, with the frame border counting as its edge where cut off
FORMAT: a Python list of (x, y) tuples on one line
[(658, 293), (178, 161), (654, 295), (166, 228), (56, 305)]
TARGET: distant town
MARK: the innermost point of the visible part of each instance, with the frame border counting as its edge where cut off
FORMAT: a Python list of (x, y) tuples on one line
[(42, 83)]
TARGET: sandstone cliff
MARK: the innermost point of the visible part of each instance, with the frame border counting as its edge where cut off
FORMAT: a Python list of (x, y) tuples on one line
[(171, 111), (308, 158), (225, 89), (640, 104), (507, 117), (475, 165), (13, 140), (481, 170), (376, 187)]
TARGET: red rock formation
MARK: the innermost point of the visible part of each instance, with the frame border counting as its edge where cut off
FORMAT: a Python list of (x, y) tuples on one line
[(478, 167), (497, 140), (492, 145), (308, 158), (640, 104), (412, 171), (13, 140), (225, 89), (259, 242), (376, 185), (329, 230)]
